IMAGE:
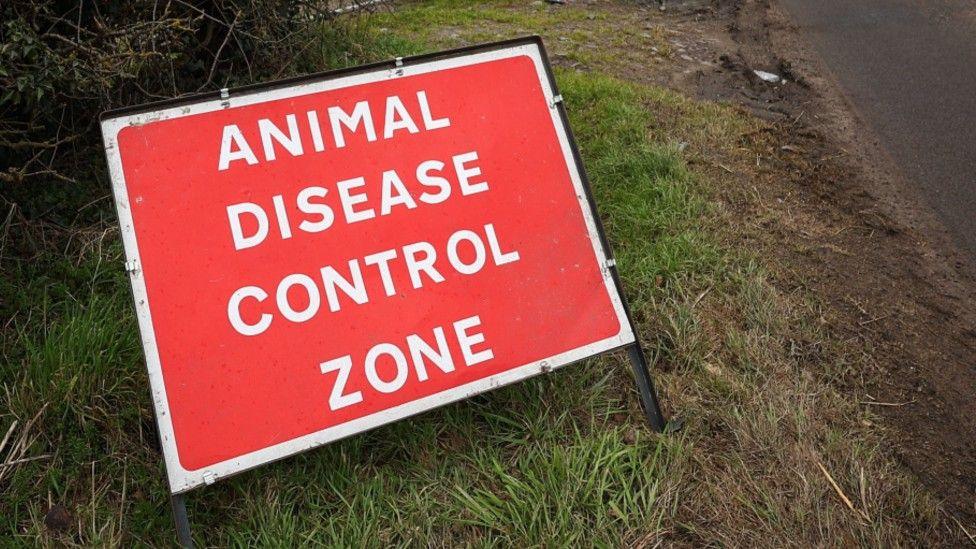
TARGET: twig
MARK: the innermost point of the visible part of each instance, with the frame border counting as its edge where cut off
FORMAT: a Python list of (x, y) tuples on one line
[(874, 403), (24, 460), (875, 319), (963, 528), (213, 66), (7, 436), (3, 241), (28, 144), (21, 445), (700, 297), (13, 175), (839, 491), (99, 199), (864, 492), (206, 15)]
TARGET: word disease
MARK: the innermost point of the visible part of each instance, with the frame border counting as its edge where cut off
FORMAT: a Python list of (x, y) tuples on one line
[(346, 283)]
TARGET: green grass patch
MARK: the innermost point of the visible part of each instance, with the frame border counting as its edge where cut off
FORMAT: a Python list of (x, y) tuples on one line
[(453, 23)]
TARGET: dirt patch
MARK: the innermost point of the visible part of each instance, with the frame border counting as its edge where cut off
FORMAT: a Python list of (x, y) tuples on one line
[(58, 518), (840, 222)]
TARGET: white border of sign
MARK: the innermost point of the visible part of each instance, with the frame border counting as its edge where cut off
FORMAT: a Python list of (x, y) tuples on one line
[(182, 480)]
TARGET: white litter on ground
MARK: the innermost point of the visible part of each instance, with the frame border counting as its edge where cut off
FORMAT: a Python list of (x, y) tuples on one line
[(768, 77)]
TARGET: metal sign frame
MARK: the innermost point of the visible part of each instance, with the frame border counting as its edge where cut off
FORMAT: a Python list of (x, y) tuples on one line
[(181, 480)]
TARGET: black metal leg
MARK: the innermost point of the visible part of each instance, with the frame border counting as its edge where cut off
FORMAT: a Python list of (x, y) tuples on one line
[(178, 504), (645, 385)]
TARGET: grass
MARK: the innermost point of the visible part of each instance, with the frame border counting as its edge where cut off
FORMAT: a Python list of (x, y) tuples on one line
[(559, 460)]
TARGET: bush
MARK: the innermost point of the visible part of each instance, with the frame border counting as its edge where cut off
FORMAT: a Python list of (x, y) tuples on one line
[(62, 62)]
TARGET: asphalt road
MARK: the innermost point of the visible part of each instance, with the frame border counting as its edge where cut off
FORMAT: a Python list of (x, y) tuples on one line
[(909, 68)]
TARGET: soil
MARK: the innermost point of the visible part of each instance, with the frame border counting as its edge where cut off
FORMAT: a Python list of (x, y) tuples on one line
[(58, 518), (839, 221)]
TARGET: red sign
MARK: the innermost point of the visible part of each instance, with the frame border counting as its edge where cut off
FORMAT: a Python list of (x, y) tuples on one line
[(314, 259)]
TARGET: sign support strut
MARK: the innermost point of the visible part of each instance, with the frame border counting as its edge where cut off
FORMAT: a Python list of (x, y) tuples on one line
[(645, 386), (178, 504)]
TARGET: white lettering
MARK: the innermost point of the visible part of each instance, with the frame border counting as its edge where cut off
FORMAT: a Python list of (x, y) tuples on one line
[(291, 142), (455, 259), (313, 126), (429, 122), (398, 359), (233, 136), (286, 134), (464, 174), (382, 262), (420, 349), (355, 289), (466, 252), (337, 399), (467, 341), (234, 212), (397, 118), (360, 115), (234, 311), (426, 265), (284, 305), (391, 183), (307, 206), (496, 250), (279, 206), (424, 177), (349, 200)]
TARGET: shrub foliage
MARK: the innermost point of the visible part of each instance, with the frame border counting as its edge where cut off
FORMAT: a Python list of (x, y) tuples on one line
[(62, 62)]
